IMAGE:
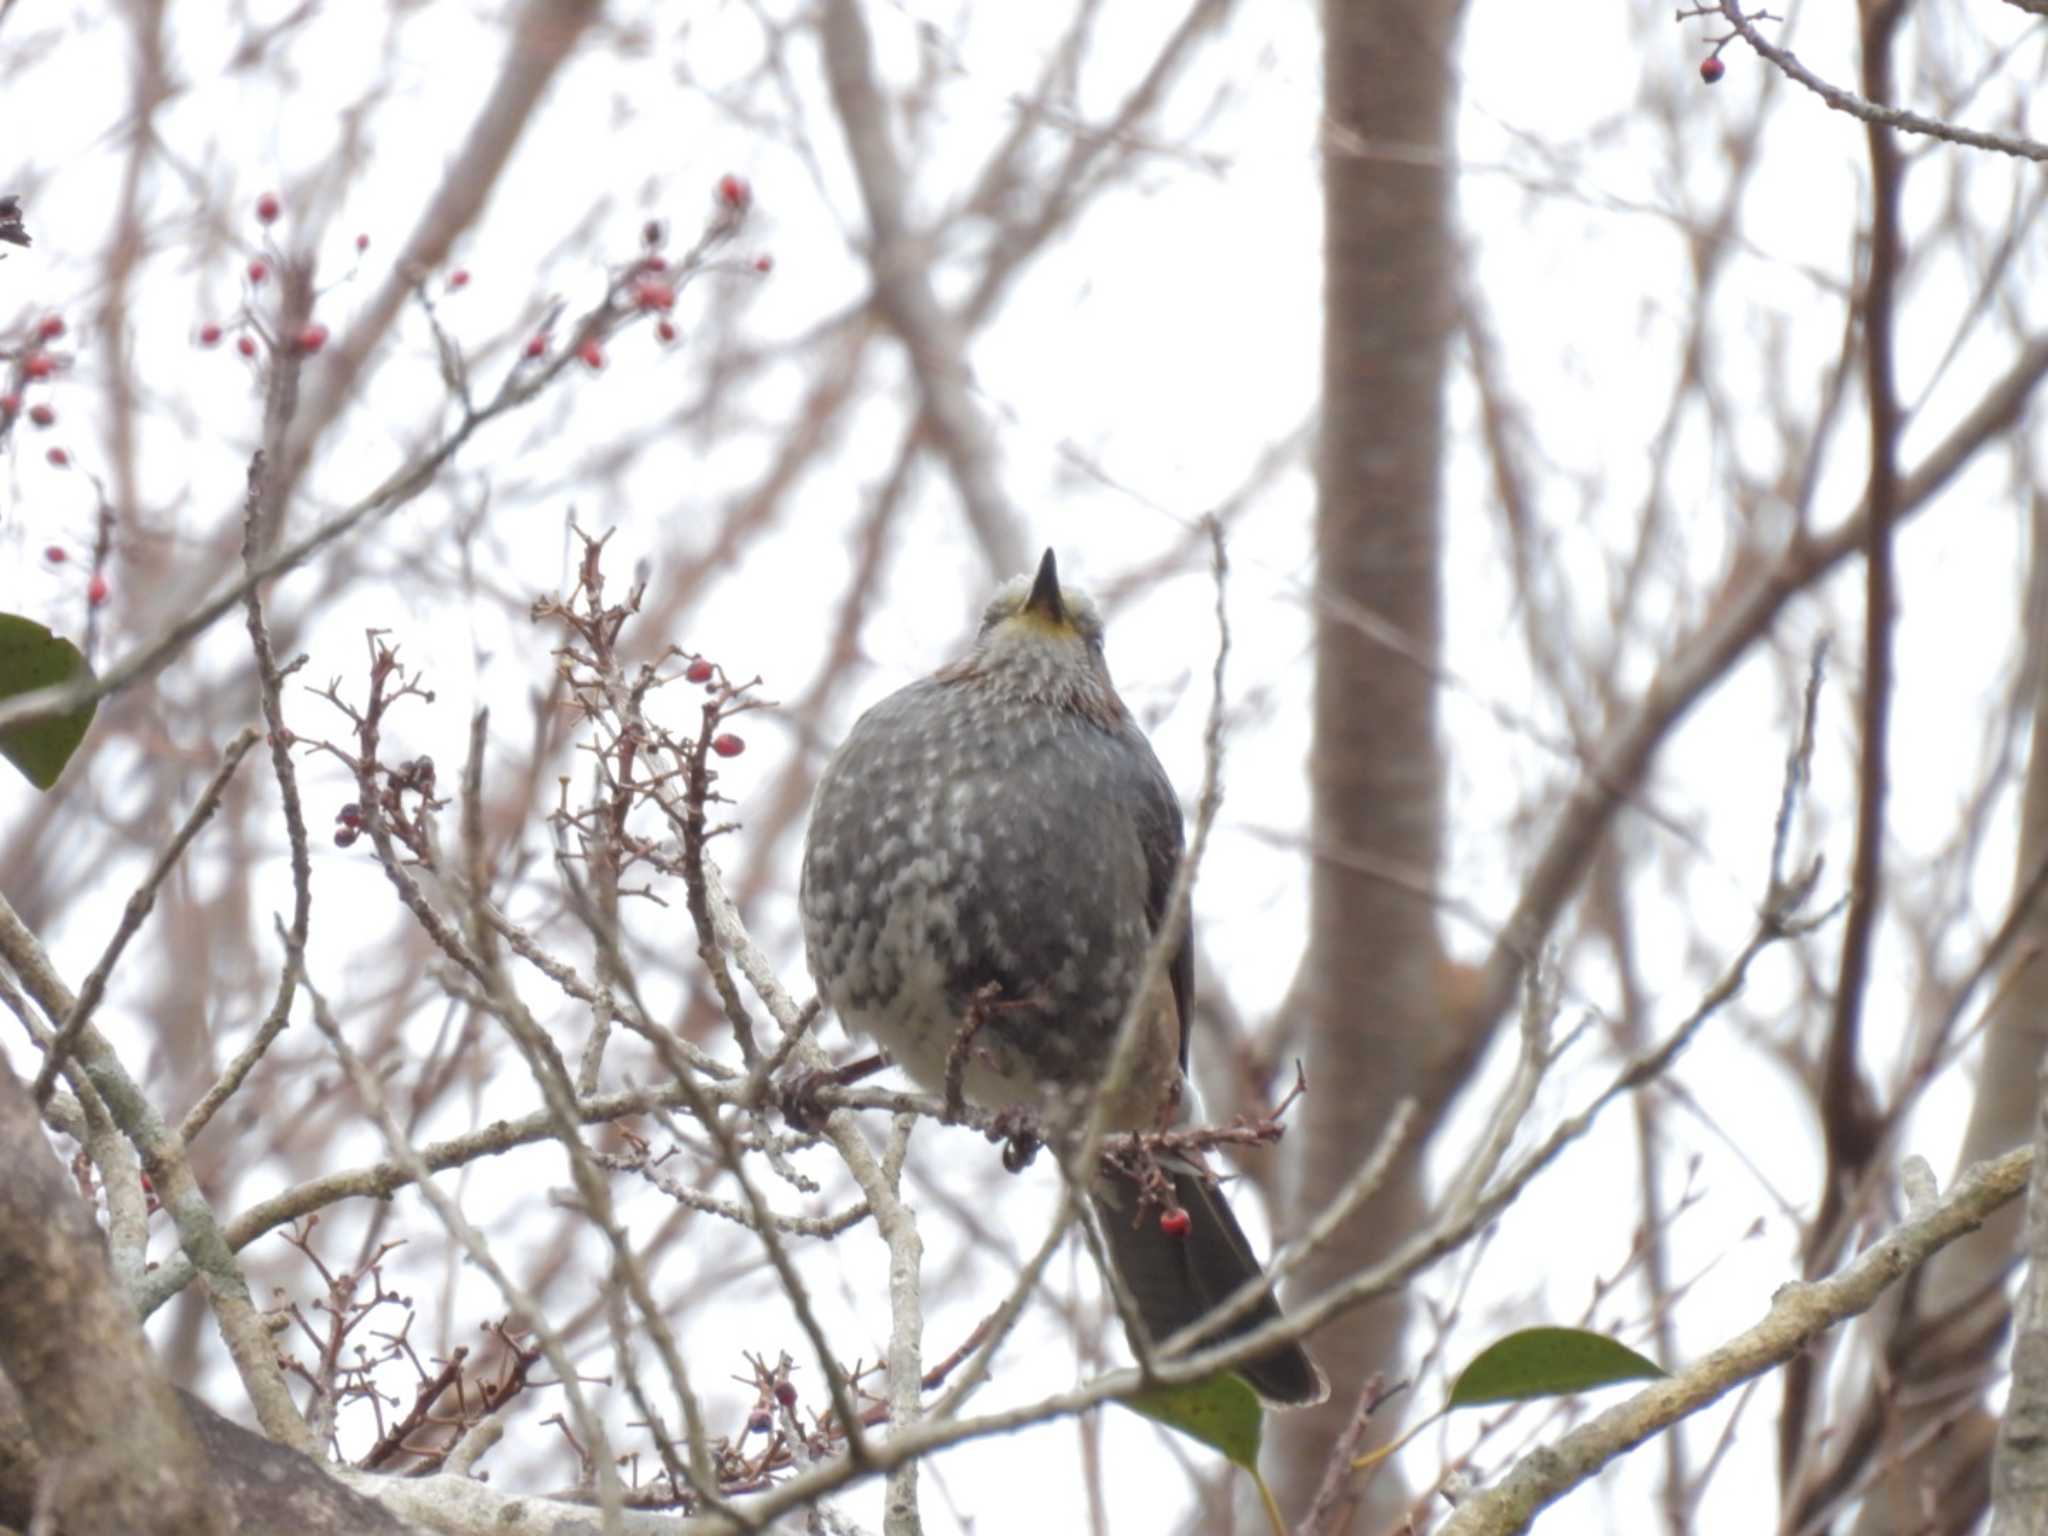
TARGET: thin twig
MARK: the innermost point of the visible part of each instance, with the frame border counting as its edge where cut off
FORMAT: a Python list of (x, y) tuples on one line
[(140, 902), (1873, 113)]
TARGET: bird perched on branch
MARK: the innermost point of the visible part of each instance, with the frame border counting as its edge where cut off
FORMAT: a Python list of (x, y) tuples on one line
[(989, 860)]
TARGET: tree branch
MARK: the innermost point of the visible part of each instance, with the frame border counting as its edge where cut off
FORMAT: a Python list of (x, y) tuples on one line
[(1798, 1314)]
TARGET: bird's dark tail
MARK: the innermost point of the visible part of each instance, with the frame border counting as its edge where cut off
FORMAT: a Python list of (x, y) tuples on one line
[(1175, 1277)]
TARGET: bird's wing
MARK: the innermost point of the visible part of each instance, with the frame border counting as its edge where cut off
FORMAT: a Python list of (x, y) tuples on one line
[(1161, 838)]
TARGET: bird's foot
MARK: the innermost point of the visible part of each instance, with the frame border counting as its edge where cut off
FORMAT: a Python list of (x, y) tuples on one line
[(797, 1094), (1019, 1132)]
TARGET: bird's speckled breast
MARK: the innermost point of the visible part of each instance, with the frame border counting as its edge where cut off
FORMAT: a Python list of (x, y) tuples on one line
[(962, 837)]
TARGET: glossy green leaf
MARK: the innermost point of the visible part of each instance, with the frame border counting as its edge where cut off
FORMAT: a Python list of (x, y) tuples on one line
[(1222, 1412), (31, 658), (1548, 1362)]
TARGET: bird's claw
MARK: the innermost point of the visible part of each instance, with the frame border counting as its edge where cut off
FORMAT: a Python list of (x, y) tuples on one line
[(797, 1094), (1018, 1131)]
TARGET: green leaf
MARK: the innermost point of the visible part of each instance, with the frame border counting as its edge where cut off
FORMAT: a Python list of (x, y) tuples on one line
[(31, 658), (1547, 1362), (1222, 1412)]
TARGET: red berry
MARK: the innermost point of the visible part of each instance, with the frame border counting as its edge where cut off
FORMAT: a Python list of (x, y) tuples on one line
[(785, 1394), (362, 243), (459, 278), (267, 208), (734, 192), (653, 264), (591, 353), (651, 233), (538, 347), (37, 365), (652, 295), (350, 815), (51, 328), (764, 263), (664, 332), (312, 338), (728, 745), (758, 1422), (10, 405), (209, 335), (1173, 1221), (96, 589), (246, 345), (56, 554), (345, 836), (258, 270), (58, 457), (1712, 69), (41, 415), (699, 672)]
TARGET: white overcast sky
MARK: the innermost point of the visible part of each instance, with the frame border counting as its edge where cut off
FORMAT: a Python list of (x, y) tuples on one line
[(1165, 344)]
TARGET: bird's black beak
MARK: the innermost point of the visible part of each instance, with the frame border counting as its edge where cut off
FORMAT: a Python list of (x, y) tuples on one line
[(1045, 598)]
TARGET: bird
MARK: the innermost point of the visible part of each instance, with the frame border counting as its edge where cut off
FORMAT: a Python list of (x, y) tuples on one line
[(992, 850)]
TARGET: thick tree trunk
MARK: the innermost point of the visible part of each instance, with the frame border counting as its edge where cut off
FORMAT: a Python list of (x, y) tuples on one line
[(1946, 1337), (107, 1446), (1376, 770)]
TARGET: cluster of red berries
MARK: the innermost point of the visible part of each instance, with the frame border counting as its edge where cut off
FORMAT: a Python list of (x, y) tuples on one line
[(37, 366), (97, 589), (652, 292), (312, 336), (310, 339), (735, 197), (651, 295), (700, 671), (348, 825)]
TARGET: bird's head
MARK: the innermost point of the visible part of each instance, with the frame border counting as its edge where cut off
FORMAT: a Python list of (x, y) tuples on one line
[(1041, 640)]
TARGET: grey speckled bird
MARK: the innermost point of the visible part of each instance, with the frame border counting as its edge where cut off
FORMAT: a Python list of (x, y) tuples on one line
[(1000, 837)]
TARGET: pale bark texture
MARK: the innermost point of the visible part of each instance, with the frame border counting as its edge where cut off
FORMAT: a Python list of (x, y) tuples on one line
[(112, 1451), (2019, 1468), (1376, 771)]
